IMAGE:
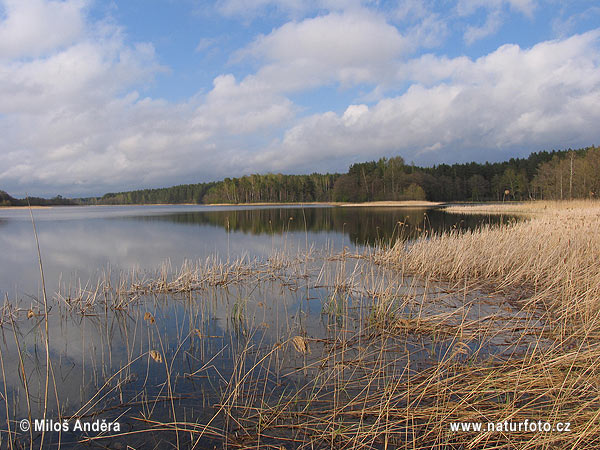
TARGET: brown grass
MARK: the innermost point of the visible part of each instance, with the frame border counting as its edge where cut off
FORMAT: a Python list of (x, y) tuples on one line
[(550, 259), (392, 203), (529, 207)]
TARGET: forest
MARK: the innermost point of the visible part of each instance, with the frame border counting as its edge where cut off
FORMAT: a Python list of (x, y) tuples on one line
[(547, 175), (544, 175), (7, 200)]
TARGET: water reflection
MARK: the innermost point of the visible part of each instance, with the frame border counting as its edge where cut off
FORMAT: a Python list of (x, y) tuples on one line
[(78, 243), (363, 225)]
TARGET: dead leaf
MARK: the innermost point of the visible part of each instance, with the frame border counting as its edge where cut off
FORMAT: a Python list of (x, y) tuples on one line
[(155, 356), (300, 345)]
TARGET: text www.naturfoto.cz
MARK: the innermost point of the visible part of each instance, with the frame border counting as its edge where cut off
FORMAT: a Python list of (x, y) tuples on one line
[(525, 426)]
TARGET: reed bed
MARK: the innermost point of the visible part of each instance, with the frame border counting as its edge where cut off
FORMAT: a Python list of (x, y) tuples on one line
[(549, 260), (363, 399), (528, 207)]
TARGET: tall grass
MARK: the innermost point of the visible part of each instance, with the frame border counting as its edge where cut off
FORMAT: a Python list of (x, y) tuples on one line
[(548, 260)]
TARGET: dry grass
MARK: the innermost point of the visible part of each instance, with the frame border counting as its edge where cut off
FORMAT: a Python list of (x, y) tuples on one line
[(393, 203), (530, 207), (550, 259)]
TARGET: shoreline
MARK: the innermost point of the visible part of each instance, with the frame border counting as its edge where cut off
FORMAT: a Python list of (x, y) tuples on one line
[(394, 203), (27, 207), (384, 203)]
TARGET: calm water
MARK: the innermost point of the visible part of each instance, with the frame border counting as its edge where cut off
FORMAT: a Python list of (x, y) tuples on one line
[(77, 243), (166, 354)]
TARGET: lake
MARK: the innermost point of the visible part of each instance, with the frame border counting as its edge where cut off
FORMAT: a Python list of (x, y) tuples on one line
[(210, 326), (77, 243)]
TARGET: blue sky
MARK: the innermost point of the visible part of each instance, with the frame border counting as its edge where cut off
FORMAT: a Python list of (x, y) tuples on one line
[(99, 95)]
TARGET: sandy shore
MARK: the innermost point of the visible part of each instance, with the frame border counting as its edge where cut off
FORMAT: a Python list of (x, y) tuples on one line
[(404, 204), (401, 204), (24, 207), (270, 204)]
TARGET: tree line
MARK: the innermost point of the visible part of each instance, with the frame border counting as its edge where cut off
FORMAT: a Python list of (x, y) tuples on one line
[(7, 200), (554, 175), (268, 188), (561, 174)]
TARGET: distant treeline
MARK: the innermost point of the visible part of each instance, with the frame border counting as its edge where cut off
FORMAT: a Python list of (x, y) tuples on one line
[(7, 200), (560, 174), (543, 175), (269, 188)]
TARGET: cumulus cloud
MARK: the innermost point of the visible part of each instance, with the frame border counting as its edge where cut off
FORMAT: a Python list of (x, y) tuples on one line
[(246, 107), (31, 28), (546, 96), (73, 120), (62, 110), (348, 48), (425, 27)]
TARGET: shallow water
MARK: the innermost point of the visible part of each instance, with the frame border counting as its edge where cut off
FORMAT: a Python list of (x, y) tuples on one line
[(78, 243), (224, 351)]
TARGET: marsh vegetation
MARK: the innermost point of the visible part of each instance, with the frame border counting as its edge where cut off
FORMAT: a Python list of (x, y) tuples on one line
[(378, 345)]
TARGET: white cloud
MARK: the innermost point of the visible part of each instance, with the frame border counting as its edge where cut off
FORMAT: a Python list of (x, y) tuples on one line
[(73, 121), (242, 108), (565, 25), (494, 12), (205, 44), (353, 114), (251, 7), (491, 26), (337, 39), (526, 7), (512, 99), (411, 10), (468, 7), (76, 77), (290, 8), (31, 28), (348, 48)]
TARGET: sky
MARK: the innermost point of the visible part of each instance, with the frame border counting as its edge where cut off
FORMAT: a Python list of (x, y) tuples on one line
[(101, 96)]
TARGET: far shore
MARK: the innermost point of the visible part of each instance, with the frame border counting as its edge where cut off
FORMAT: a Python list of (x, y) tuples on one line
[(387, 204), (403, 204), (27, 207)]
